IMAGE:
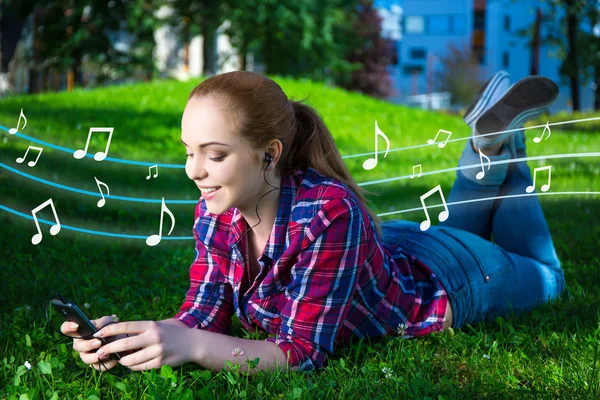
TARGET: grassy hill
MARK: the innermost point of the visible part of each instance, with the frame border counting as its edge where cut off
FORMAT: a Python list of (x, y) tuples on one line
[(549, 353)]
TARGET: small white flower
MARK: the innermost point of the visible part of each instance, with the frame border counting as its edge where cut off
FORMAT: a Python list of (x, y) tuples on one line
[(237, 352), (436, 355), (27, 365), (401, 328), (486, 356), (173, 384), (387, 372), (87, 305)]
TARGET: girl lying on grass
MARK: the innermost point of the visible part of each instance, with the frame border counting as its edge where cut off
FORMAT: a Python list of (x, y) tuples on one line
[(284, 238)]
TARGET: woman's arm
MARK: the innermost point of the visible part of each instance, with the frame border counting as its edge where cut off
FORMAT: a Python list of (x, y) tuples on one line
[(213, 349), (173, 343)]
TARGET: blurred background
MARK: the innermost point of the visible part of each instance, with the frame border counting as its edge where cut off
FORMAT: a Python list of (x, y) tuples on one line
[(432, 54)]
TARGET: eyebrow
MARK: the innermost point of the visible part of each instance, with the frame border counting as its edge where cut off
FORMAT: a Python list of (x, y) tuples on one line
[(203, 145)]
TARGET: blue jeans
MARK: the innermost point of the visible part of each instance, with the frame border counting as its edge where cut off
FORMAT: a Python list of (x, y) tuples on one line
[(516, 272)]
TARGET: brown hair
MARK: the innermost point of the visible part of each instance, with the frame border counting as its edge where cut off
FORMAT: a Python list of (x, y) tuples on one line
[(261, 112)]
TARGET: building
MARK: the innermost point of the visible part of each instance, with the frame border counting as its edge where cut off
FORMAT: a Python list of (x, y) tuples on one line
[(491, 29)]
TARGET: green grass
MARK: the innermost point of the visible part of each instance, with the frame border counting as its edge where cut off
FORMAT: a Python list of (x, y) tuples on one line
[(551, 352)]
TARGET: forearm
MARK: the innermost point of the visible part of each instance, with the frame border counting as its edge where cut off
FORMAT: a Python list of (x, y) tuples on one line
[(214, 349)]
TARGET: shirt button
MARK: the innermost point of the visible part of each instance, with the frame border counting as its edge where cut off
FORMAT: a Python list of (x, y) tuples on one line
[(273, 309)]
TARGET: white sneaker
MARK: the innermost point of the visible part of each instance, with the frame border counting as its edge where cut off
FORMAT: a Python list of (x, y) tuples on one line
[(488, 95)]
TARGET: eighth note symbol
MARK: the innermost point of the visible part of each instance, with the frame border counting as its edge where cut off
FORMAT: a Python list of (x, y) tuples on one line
[(481, 174), (440, 145), (443, 214), (153, 240), (150, 169), (31, 163), (12, 131), (100, 155), (544, 187), (102, 201), (372, 162), (420, 171), (54, 229), (546, 129)]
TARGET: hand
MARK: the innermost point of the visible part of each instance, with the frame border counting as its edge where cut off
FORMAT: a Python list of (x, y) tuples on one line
[(87, 348), (156, 344)]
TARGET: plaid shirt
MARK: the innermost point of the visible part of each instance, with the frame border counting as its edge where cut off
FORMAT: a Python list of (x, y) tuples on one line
[(324, 275)]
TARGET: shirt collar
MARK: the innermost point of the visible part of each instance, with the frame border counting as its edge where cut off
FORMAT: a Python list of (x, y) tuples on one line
[(220, 232)]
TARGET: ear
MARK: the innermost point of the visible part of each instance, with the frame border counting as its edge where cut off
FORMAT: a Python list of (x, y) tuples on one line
[(274, 148)]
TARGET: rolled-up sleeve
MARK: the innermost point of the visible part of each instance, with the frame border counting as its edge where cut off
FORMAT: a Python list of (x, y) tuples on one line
[(323, 284), (208, 303)]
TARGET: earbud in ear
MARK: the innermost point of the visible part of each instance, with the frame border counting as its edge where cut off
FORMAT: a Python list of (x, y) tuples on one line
[(268, 159)]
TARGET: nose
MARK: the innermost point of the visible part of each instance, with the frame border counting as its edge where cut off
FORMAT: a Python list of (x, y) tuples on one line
[(195, 168)]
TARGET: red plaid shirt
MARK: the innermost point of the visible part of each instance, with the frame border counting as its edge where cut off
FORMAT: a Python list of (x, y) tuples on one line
[(324, 275)]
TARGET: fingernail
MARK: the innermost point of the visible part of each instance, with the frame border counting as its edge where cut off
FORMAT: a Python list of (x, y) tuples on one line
[(96, 343), (98, 334), (100, 352), (74, 325)]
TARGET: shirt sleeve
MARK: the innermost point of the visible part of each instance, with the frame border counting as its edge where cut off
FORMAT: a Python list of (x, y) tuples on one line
[(208, 303), (323, 284)]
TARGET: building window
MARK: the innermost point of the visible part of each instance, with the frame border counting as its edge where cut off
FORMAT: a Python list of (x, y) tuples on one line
[(479, 21), (395, 59), (418, 53), (505, 59), (459, 24), (415, 24), (507, 23), (438, 24), (411, 69)]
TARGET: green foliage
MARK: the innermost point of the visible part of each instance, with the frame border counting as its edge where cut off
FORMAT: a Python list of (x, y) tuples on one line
[(552, 352)]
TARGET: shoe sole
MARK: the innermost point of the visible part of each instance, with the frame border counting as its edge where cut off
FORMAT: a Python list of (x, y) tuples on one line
[(484, 97), (525, 98)]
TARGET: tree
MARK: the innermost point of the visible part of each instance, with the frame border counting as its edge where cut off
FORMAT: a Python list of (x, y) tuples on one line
[(373, 55), (196, 17), (460, 74)]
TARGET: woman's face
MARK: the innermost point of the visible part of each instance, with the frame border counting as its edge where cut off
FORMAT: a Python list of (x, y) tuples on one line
[(229, 165)]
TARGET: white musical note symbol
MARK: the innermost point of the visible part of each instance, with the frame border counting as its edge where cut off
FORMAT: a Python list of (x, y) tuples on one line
[(372, 162), (544, 187), (153, 240), (101, 155), (443, 214), (481, 174), (31, 163), (102, 201), (546, 129), (440, 145), (150, 168), (54, 229), (12, 131), (420, 171)]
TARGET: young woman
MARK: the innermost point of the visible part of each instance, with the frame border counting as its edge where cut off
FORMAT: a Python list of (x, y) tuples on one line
[(284, 238)]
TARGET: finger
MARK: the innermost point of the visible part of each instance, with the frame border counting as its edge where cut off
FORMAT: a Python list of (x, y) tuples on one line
[(145, 366), (143, 356), (87, 346), (125, 327), (100, 322), (68, 327), (108, 364), (127, 343)]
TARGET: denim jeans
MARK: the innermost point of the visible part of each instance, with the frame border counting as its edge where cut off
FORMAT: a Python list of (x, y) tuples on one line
[(516, 272)]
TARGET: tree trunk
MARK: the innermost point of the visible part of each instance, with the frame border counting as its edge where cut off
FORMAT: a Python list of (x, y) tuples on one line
[(11, 28), (186, 48), (208, 50), (244, 55), (573, 55), (597, 91)]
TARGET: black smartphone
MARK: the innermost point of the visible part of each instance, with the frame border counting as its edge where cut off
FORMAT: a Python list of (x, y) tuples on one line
[(72, 313)]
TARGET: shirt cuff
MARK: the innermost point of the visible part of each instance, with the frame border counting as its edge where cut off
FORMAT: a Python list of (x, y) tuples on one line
[(297, 358)]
